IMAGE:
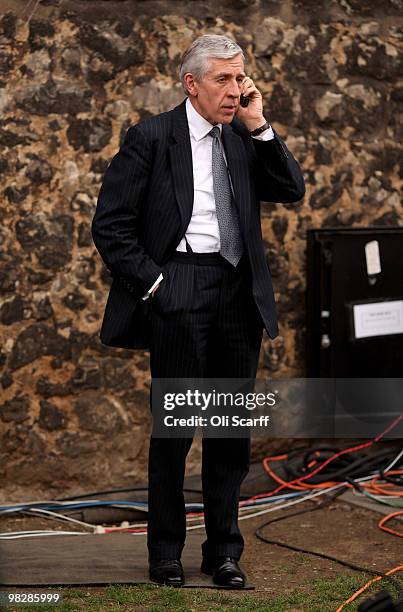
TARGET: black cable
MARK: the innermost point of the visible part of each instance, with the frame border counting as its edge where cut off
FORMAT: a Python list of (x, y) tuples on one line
[(111, 491), (318, 506), (108, 492), (396, 479), (352, 460), (357, 466), (143, 488), (356, 485)]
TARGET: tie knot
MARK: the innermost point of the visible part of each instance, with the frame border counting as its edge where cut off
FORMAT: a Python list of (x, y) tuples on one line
[(215, 132)]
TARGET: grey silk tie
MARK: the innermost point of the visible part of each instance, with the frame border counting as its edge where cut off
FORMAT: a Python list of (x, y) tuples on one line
[(227, 214)]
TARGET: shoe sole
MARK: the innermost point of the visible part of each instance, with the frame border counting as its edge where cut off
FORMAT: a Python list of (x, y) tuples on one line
[(167, 583), (236, 585)]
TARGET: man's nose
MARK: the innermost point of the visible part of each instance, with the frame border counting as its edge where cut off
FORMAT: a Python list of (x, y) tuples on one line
[(234, 89)]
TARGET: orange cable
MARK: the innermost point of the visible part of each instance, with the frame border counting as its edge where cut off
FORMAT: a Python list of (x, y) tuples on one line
[(385, 519), (301, 487), (364, 588), (321, 466)]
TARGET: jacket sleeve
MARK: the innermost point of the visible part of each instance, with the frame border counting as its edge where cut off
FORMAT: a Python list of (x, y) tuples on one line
[(278, 176), (115, 226)]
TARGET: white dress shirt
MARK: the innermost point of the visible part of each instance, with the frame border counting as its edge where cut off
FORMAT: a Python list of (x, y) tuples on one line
[(202, 232)]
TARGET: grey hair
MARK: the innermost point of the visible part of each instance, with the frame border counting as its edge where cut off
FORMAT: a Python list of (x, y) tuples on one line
[(196, 57)]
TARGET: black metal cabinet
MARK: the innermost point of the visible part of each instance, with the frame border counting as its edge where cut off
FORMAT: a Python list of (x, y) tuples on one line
[(354, 301)]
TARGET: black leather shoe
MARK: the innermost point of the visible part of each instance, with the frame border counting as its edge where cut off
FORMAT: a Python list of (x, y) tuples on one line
[(167, 571), (225, 572)]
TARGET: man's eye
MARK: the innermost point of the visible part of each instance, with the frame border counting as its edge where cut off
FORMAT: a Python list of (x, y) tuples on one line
[(221, 80)]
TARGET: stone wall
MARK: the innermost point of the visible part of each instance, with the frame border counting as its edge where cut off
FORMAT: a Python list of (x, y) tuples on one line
[(74, 74)]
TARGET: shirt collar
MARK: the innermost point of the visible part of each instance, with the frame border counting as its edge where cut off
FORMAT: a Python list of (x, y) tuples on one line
[(199, 127)]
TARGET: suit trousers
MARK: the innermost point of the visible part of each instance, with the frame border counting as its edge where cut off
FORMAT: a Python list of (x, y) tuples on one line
[(204, 323)]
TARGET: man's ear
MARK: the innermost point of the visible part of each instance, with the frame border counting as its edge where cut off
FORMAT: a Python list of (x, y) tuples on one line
[(191, 84)]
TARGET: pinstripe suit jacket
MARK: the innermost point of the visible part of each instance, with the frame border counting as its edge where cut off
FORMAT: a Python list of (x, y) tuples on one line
[(145, 205)]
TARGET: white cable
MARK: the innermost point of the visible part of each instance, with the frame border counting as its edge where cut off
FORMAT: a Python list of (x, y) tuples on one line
[(293, 502), (68, 519), (29, 505), (394, 461), (14, 535), (286, 505), (279, 506), (272, 508), (50, 502)]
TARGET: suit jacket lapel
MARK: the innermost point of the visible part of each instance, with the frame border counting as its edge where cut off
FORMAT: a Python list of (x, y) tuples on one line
[(181, 164), (182, 167), (238, 166)]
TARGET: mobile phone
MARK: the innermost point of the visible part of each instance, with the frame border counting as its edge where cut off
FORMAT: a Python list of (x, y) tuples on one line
[(244, 101)]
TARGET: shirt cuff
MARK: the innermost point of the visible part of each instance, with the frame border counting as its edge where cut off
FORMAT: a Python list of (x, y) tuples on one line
[(157, 282), (266, 135)]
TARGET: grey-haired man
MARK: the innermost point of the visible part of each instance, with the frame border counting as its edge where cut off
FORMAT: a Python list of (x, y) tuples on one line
[(178, 226)]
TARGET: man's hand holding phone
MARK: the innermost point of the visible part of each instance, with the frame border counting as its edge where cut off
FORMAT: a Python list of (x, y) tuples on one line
[(250, 110)]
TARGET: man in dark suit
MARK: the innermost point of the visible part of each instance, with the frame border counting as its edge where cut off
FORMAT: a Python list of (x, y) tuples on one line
[(178, 226)]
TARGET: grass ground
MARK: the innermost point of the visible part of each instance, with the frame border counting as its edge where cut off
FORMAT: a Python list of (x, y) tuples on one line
[(316, 596), (284, 579)]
